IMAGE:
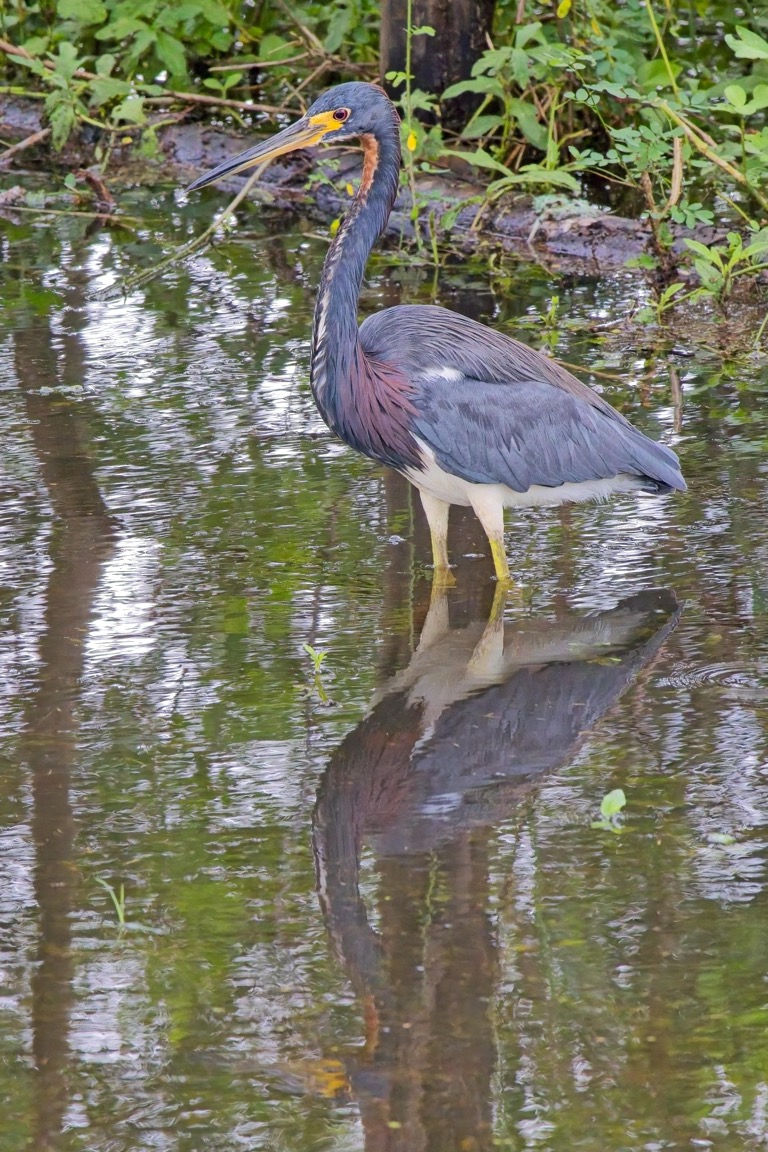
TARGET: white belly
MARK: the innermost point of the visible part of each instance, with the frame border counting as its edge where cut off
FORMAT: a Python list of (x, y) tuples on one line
[(441, 485)]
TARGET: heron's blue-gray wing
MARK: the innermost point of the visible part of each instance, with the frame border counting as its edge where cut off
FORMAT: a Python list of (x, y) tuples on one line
[(497, 412), (531, 433)]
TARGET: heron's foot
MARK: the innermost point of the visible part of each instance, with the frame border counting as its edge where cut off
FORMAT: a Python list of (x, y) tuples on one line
[(500, 595), (500, 563), (487, 660), (442, 577)]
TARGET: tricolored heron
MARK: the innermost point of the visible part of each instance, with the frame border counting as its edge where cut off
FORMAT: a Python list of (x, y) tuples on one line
[(470, 416)]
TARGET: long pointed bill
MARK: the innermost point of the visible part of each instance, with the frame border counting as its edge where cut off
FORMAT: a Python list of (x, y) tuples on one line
[(299, 135)]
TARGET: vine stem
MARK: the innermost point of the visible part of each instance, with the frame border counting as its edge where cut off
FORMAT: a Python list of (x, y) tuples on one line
[(661, 47), (409, 122), (701, 145), (187, 249), (29, 142)]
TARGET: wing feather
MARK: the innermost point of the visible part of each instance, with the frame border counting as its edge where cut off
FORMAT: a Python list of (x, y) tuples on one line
[(495, 411)]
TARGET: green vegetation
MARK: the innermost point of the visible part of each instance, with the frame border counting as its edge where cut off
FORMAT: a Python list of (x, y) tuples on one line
[(117, 897), (317, 686), (610, 811), (665, 105)]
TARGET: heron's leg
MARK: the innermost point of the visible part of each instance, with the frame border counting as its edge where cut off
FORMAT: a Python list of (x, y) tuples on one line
[(436, 624), (490, 512), (436, 512), (487, 659)]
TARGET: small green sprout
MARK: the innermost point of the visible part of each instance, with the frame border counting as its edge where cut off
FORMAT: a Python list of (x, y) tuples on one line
[(722, 839), (610, 811), (318, 686), (117, 898)]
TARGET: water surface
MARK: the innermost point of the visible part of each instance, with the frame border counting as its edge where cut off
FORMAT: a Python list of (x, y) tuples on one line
[(383, 923)]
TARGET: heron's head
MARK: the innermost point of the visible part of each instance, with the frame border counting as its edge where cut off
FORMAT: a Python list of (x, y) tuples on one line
[(341, 113)]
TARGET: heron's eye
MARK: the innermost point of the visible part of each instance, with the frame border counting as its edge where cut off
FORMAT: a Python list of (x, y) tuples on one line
[(341, 114)]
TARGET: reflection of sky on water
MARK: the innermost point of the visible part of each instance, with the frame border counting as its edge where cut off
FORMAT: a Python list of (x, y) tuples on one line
[(123, 628)]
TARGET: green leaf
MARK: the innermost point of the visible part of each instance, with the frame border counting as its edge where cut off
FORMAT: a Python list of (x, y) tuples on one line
[(107, 88), (645, 260), (143, 39), (653, 74), (526, 117), (174, 15), (338, 29), (231, 80), (709, 254), (612, 803), (274, 47), (481, 126), (131, 111), (66, 63), (120, 29), (83, 11), (36, 46), (221, 40), (527, 33), (519, 63), (537, 174), (747, 45), (758, 102), (480, 159), (170, 52), (735, 95), (105, 64), (482, 85), (669, 292), (35, 66), (214, 12), (755, 249), (62, 119), (711, 277)]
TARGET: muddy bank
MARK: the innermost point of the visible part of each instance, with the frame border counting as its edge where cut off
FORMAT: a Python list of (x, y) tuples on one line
[(567, 230)]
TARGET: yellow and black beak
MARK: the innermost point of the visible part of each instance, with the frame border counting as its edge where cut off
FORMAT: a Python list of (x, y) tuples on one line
[(305, 132)]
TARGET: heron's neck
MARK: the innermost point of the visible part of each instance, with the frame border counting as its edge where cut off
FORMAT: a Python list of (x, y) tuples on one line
[(335, 346)]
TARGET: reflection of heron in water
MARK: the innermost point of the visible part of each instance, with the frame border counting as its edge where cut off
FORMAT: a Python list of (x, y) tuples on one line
[(451, 746)]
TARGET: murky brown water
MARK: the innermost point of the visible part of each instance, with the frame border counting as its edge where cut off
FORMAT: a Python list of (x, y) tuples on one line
[(388, 923)]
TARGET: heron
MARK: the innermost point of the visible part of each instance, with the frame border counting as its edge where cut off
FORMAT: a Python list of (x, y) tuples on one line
[(468, 414)]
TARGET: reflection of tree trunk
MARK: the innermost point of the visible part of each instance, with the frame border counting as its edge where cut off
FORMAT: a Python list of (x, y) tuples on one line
[(81, 542), (424, 1081), (435, 1042), (462, 963)]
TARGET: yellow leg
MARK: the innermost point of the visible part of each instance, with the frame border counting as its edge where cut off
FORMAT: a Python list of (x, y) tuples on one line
[(499, 603), (490, 512), (500, 563), (487, 660), (437, 625), (436, 512)]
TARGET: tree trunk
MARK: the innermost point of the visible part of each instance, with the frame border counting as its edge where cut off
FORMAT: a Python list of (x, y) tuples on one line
[(461, 31)]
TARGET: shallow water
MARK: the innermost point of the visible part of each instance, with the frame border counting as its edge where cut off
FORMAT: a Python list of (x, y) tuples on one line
[(385, 922)]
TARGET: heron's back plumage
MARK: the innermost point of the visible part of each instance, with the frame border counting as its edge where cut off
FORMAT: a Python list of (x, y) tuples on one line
[(494, 411)]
